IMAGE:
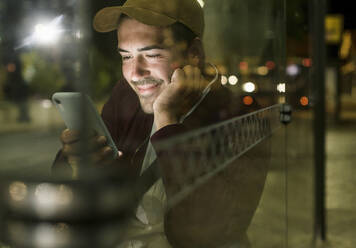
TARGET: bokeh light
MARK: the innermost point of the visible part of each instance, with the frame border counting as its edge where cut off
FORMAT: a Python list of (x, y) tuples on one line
[(249, 87)]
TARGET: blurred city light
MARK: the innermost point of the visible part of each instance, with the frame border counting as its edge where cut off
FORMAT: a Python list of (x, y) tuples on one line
[(304, 101), (281, 87), (78, 34), (201, 2), (247, 100), (46, 104), (45, 235), (223, 80), (11, 67), (270, 65), (243, 66), (233, 80), (262, 70), (307, 62), (49, 197), (292, 70), (45, 33), (281, 99), (17, 191), (346, 45), (249, 87), (221, 68)]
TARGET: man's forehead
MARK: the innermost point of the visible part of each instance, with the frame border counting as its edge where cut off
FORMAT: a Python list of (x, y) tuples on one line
[(131, 30)]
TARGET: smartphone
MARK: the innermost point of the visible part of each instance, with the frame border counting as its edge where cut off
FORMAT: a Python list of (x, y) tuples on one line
[(69, 105)]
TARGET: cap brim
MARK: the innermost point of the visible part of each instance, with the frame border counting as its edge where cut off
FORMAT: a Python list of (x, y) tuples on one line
[(106, 20)]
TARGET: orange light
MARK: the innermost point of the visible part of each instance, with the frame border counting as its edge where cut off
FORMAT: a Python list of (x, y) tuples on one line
[(270, 64), (307, 62), (304, 101), (11, 67), (247, 100), (243, 66)]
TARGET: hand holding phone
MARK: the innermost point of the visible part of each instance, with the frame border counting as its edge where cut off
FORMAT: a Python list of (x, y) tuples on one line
[(102, 146)]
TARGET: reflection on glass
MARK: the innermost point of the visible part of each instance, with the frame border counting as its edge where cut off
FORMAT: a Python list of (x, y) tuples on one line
[(46, 104), (48, 197), (18, 191), (44, 235), (16, 229)]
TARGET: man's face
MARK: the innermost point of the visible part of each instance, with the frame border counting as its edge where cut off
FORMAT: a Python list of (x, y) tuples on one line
[(148, 59)]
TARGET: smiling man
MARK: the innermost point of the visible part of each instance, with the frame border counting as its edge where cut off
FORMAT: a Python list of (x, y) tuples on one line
[(146, 62), (157, 70), (165, 92)]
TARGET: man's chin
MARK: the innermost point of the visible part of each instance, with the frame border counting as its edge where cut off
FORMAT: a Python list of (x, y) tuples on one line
[(146, 106)]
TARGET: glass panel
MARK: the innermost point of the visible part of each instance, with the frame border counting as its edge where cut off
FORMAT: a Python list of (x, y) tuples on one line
[(231, 171), (246, 39)]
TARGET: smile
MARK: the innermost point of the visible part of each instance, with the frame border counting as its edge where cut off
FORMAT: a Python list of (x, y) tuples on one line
[(147, 89)]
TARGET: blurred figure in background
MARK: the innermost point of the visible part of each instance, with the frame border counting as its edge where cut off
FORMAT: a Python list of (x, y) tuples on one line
[(16, 90)]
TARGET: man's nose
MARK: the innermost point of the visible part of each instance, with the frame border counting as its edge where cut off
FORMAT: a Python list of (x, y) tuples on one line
[(139, 69)]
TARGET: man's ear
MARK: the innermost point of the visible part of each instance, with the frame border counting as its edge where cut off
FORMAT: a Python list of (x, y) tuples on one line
[(196, 55)]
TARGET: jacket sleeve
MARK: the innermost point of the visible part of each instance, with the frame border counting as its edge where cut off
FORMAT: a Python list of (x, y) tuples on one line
[(219, 210)]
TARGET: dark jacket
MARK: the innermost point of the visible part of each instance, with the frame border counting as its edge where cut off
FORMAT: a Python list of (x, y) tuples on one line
[(211, 215)]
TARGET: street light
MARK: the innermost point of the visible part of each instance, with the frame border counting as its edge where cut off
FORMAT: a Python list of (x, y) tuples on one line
[(233, 80), (249, 87), (45, 33), (201, 2), (48, 33)]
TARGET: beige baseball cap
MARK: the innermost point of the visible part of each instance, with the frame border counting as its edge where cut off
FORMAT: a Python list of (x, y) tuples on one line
[(153, 12)]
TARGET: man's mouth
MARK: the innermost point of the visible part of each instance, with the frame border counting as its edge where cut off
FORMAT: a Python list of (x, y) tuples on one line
[(147, 89)]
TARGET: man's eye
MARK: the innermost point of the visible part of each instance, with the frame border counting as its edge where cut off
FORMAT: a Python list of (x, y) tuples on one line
[(154, 55), (126, 57)]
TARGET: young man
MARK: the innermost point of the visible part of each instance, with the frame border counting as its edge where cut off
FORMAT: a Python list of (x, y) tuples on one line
[(165, 92)]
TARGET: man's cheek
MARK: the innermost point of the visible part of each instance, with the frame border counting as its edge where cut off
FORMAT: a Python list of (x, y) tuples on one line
[(125, 72)]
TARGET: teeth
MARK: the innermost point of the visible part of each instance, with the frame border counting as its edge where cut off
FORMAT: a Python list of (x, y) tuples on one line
[(146, 86)]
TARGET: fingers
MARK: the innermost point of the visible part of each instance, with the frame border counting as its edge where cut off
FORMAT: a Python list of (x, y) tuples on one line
[(101, 157), (72, 147), (75, 148), (178, 76), (71, 136), (190, 78)]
